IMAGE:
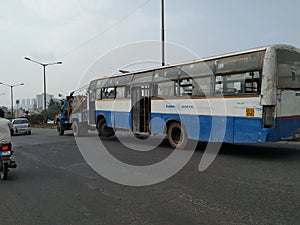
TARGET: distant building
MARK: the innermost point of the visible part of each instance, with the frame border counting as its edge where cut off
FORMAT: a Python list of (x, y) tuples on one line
[(23, 104), (28, 104), (40, 100)]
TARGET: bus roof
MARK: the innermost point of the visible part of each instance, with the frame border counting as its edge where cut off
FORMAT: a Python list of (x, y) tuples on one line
[(263, 48)]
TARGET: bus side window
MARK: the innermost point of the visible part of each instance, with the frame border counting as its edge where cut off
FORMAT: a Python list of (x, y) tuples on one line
[(231, 84), (186, 86), (127, 92), (123, 92), (98, 94), (219, 85), (108, 93), (166, 89), (154, 90), (120, 92), (252, 82), (236, 84), (202, 86)]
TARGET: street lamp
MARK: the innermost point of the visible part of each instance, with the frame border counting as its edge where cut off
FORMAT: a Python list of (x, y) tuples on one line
[(11, 94), (44, 66)]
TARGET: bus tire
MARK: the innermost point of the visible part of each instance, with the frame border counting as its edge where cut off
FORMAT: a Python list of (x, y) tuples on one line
[(103, 129), (177, 136)]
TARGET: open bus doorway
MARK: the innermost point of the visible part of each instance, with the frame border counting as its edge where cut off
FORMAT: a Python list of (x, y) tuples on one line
[(141, 108)]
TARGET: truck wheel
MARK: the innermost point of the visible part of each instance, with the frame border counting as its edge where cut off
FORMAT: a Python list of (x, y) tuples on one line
[(177, 135), (60, 129), (76, 130), (3, 170), (103, 129)]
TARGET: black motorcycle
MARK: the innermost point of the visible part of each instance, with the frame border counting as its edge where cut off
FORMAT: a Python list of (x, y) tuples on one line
[(5, 160)]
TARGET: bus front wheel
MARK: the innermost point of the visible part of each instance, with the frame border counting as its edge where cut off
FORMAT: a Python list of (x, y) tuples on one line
[(177, 135), (103, 129)]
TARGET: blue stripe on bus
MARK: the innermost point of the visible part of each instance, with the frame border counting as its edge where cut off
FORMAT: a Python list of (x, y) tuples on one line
[(225, 129), (215, 128), (121, 119)]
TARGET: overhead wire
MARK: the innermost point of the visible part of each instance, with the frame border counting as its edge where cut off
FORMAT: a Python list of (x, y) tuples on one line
[(106, 29)]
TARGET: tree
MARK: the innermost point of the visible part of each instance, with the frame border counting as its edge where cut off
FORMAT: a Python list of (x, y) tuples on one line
[(35, 119), (53, 109), (6, 111)]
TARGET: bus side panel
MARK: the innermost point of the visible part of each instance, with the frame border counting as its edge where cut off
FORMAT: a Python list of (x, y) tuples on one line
[(116, 112), (205, 127), (157, 123), (248, 130), (123, 120), (221, 129), (197, 127)]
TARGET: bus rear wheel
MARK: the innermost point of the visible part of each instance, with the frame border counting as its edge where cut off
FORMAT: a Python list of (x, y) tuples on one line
[(177, 136), (103, 129)]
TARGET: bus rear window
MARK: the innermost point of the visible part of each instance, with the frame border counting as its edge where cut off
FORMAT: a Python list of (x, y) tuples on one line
[(288, 69)]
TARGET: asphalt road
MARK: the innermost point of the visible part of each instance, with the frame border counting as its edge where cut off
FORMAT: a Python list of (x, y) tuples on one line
[(244, 185)]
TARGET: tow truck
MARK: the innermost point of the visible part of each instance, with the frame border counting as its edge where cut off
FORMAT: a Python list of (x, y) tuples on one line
[(73, 115)]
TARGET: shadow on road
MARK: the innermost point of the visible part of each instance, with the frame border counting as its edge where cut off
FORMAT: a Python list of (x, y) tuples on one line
[(272, 151)]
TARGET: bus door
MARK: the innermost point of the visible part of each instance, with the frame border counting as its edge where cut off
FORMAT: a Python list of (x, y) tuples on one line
[(141, 104)]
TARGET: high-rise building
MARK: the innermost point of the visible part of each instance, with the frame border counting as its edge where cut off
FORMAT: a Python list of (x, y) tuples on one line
[(28, 104), (40, 100), (23, 103)]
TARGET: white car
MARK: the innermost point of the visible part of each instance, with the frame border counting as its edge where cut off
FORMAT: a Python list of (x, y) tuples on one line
[(20, 126)]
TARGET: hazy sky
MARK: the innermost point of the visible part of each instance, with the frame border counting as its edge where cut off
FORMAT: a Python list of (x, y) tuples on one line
[(78, 32)]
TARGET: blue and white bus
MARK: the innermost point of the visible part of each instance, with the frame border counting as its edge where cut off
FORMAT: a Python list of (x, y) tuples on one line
[(253, 95)]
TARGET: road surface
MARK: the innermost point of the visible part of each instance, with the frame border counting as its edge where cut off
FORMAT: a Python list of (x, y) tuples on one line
[(244, 185)]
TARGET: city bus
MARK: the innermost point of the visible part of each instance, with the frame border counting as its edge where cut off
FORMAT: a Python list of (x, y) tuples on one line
[(252, 95)]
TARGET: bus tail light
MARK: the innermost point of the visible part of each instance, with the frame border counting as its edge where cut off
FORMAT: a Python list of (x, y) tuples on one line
[(268, 116)]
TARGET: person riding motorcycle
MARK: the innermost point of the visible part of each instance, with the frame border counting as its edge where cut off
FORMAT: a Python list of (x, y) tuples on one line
[(5, 133), (5, 127)]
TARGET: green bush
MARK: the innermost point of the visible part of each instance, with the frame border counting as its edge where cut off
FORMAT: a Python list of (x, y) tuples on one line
[(36, 119)]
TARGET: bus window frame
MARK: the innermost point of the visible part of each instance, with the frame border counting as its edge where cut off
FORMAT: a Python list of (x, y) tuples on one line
[(212, 84), (234, 90), (164, 82), (126, 92)]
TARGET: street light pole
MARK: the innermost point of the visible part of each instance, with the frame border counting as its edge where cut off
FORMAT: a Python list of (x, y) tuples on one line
[(45, 93), (12, 99), (11, 94), (44, 69), (163, 32)]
